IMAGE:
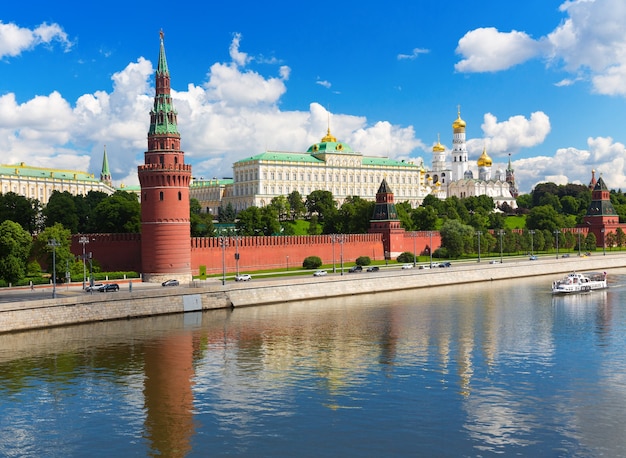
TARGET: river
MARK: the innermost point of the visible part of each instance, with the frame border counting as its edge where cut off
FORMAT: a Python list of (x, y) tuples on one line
[(487, 369)]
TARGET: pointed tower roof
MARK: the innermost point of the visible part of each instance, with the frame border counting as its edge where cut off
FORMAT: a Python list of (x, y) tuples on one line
[(163, 117), (105, 173), (600, 201), (162, 65), (385, 209)]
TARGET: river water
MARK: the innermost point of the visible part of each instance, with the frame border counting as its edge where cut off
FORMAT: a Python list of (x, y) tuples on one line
[(492, 369)]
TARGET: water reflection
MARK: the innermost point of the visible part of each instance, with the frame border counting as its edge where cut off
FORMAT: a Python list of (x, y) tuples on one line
[(480, 369)]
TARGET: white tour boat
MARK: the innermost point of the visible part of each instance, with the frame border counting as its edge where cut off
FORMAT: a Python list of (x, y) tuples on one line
[(580, 283)]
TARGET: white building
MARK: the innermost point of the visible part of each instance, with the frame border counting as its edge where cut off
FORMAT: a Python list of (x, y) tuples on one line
[(39, 183), (329, 165)]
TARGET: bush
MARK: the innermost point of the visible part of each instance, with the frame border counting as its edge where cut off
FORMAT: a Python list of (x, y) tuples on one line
[(441, 253), (312, 262), (407, 256), (363, 261)]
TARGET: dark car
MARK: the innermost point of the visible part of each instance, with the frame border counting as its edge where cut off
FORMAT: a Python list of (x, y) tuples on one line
[(109, 287), (373, 269), (355, 269), (170, 283), (445, 264)]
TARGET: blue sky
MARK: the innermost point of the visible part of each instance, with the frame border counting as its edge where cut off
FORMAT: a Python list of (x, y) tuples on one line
[(542, 80)]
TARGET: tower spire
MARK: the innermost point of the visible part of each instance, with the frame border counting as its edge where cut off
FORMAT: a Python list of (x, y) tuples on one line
[(105, 174)]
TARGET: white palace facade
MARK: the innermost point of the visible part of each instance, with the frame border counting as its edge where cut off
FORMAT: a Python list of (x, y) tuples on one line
[(329, 165)]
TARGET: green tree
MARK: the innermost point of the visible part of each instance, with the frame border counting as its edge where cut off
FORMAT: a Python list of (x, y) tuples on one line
[(226, 214), (620, 237), (404, 211), (119, 213), (353, 217), (591, 242), (15, 244), (61, 209), (322, 204), (424, 218), (457, 238), (86, 209), (282, 207), (314, 226), (250, 221), (296, 205), (543, 217), (21, 210), (201, 223), (43, 250)]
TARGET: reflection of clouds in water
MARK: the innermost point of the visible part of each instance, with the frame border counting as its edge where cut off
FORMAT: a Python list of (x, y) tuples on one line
[(498, 419)]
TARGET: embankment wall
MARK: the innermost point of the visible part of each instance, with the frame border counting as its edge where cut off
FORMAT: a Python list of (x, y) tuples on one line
[(18, 316)]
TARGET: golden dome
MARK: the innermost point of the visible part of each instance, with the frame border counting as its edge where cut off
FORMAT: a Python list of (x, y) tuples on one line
[(459, 123), (329, 137), (484, 160), (438, 148)]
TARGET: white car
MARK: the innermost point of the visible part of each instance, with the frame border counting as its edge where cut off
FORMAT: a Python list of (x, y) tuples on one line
[(407, 266), (426, 266), (243, 277), (320, 273), (95, 287)]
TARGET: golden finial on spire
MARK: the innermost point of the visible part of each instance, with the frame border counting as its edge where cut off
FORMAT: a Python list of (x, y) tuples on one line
[(161, 34)]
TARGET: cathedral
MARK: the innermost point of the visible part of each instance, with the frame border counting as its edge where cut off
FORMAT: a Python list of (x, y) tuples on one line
[(456, 177)]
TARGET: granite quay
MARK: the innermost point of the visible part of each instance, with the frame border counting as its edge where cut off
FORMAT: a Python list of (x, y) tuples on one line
[(206, 295)]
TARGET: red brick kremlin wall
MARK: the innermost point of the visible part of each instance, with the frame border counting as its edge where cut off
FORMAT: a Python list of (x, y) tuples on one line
[(123, 251)]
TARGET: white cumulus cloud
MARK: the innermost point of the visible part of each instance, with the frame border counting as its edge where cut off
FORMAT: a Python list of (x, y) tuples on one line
[(590, 44), (15, 40)]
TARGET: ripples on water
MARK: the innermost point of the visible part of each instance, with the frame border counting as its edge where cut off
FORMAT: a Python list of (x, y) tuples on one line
[(480, 370)]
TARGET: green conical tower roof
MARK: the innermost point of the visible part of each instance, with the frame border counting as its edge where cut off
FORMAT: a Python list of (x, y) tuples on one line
[(105, 173), (163, 117)]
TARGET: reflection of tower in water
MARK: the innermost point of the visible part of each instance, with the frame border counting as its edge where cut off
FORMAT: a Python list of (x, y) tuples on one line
[(168, 396)]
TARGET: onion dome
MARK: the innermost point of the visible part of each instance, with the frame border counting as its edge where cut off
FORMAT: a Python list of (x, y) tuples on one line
[(484, 160), (458, 123), (439, 148)]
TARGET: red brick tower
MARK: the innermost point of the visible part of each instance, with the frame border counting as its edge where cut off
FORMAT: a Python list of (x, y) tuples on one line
[(385, 220), (164, 180)]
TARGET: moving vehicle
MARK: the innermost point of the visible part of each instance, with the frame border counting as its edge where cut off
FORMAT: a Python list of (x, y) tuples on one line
[(95, 287), (109, 287), (445, 264), (320, 273), (580, 283), (355, 269), (407, 266), (533, 258), (243, 277), (373, 269), (170, 283)]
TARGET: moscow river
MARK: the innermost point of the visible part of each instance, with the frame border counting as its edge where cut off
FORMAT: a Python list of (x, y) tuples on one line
[(492, 369)]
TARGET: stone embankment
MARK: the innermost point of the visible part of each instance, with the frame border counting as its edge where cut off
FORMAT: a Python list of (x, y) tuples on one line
[(144, 302)]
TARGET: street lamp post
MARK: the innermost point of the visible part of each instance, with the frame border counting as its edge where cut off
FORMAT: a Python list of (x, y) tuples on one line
[(83, 241), (478, 234), (237, 255), (532, 240), (333, 239), (341, 245), (501, 232), (578, 230), (54, 244), (556, 234), (603, 242), (430, 248), (414, 235), (223, 244), (287, 262)]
